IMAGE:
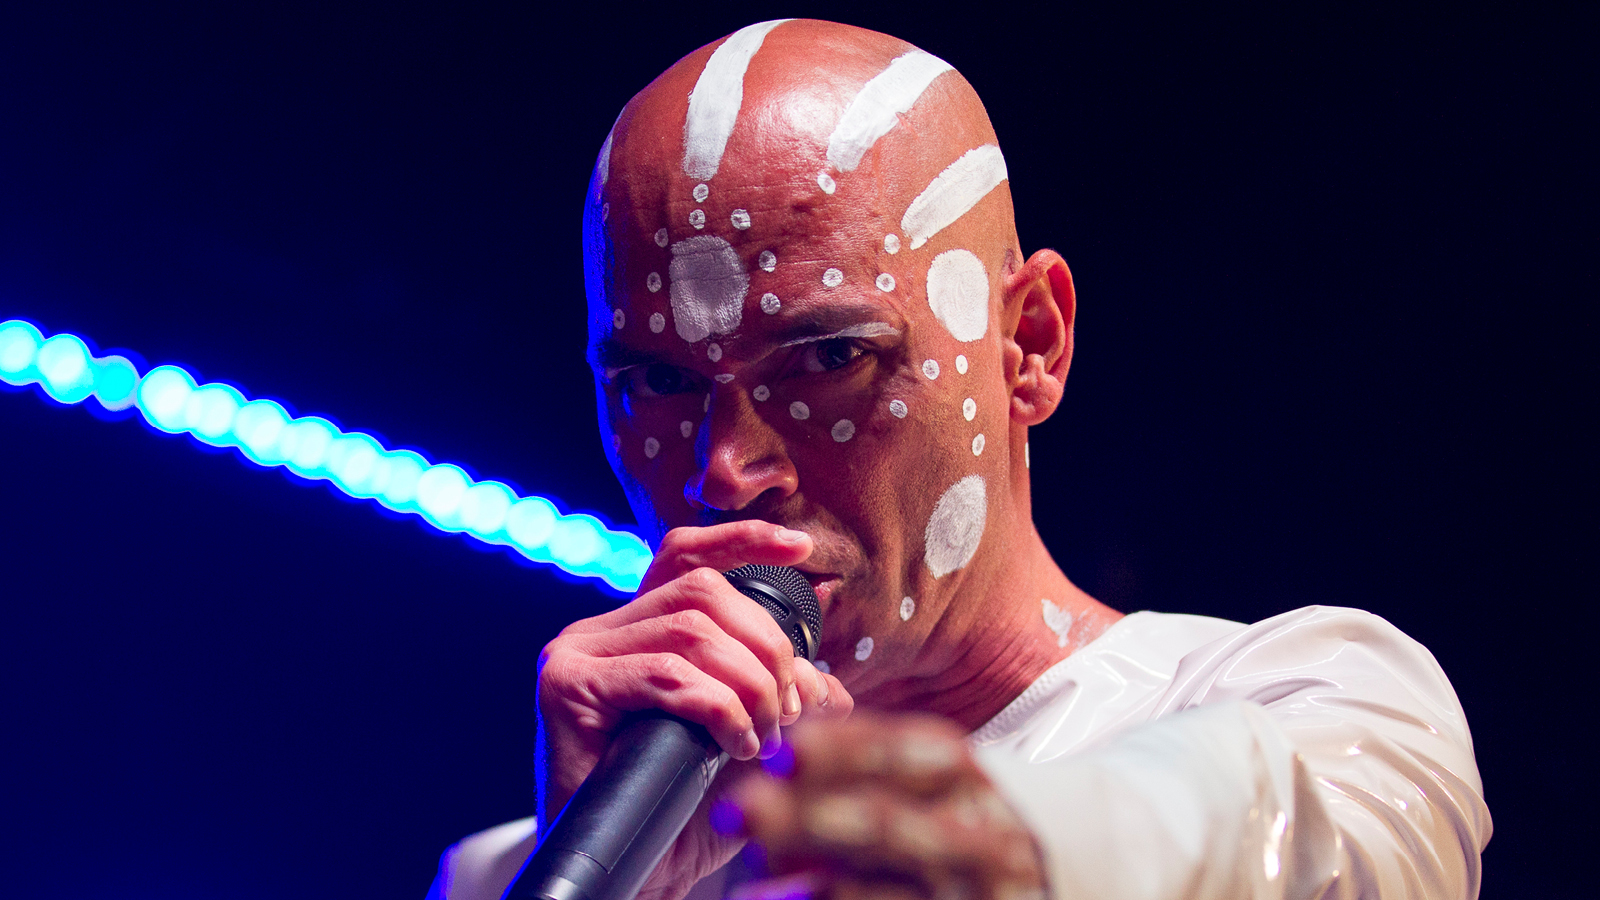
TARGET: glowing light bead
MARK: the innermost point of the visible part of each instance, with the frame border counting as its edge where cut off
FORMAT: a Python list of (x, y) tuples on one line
[(314, 448)]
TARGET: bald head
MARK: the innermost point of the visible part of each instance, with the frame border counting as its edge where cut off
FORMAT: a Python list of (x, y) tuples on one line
[(807, 305)]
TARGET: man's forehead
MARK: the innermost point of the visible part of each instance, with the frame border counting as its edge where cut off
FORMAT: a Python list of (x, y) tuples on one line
[(783, 169)]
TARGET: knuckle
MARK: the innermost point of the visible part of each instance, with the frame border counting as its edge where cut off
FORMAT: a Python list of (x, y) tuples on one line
[(691, 625), (702, 584)]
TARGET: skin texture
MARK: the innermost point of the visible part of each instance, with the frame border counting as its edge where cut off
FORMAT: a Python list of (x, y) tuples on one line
[(704, 437)]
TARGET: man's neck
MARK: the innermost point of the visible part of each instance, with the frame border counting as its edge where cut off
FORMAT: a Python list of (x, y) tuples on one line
[(999, 643)]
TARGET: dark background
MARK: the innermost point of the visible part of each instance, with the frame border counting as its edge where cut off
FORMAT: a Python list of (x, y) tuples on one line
[(1336, 280)]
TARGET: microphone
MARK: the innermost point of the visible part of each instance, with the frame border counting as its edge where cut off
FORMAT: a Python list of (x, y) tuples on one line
[(652, 776)]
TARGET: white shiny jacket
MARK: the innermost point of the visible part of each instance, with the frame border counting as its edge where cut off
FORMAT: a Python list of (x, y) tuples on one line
[(1319, 753)]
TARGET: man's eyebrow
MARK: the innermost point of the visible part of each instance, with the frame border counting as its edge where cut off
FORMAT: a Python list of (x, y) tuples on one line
[(867, 329), (609, 354)]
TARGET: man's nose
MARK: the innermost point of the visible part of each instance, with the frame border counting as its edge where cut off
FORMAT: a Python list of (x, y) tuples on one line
[(739, 456)]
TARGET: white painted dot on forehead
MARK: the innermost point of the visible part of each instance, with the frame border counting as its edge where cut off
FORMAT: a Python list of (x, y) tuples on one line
[(826, 182), (956, 526), (930, 368), (863, 649), (799, 410), (714, 351), (770, 303), (844, 430), (961, 364), (908, 608), (701, 192), (885, 282), (761, 392), (977, 445), (891, 243), (698, 219), (740, 219), (767, 260), (709, 284), (618, 318), (653, 282), (897, 408), (658, 323), (822, 666), (958, 294), (832, 277), (722, 378), (651, 447), (661, 237), (969, 408), (605, 211), (685, 427)]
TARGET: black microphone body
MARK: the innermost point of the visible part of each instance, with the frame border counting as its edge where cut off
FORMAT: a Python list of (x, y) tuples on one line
[(651, 778)]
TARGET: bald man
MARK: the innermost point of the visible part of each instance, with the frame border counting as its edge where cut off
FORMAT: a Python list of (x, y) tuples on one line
[(817, 342)]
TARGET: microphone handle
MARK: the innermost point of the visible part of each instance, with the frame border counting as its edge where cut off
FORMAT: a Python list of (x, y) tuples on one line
[(625, 815)]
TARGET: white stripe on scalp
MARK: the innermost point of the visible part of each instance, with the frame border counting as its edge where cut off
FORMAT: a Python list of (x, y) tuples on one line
[(877, 108), (715, 101), (953, 193)]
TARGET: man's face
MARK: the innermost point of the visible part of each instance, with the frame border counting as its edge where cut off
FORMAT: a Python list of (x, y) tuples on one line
[(768, 350)]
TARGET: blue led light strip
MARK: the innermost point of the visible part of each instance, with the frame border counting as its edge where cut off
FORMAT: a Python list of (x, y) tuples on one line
[(312, 447)]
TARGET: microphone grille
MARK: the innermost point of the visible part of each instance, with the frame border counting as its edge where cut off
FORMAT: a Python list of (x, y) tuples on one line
[(786, 594)]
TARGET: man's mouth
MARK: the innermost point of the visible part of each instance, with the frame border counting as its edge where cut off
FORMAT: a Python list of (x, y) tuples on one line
[(824, 584)]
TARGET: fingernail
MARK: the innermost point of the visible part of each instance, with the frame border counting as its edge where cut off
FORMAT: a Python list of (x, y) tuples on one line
[(772, 744), (790, 536), (750, 745), (727, 817), (791, 701)]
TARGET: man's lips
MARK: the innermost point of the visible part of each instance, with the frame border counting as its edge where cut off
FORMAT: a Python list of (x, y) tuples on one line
[(824, 584)]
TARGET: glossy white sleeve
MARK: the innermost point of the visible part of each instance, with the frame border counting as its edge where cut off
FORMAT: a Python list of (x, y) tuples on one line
[(483, 865), (1321, 753)]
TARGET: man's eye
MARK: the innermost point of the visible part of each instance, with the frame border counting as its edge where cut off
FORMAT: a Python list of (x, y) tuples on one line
[(834, 353), (665, 380)]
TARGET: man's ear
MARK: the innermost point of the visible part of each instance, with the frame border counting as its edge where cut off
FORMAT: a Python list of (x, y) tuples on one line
[(1038, 309)]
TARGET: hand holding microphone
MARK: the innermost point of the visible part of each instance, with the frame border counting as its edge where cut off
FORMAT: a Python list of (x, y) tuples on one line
[(692, 646)]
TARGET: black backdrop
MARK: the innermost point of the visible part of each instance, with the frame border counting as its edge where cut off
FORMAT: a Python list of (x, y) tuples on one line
[(1336, 279)]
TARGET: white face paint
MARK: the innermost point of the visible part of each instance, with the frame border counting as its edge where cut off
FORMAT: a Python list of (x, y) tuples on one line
[(740, 219), (956, 526), (879, 105), (961, 364), (891, 244), (761, 392), (714, 352), (977, 445), (953, 193), (832, 278), (698, 219), (715, 101), (799, 410), (863, 649), (885, 282), (722, 378), (767, 260), (930, 368), (897, 408), (969, 408), (653, 282), (826, 182), (770, 303), (908, 608), (864, 330), (705, 405), (685, 427), (658, 322), (651, 447), (958, 294), (701, 192), (661, 237), (1057, 620), (618, 319), (844, 430), (822, 666), (709, 284)]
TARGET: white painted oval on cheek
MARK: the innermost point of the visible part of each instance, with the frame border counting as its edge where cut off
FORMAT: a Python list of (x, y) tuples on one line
[(908, 608), (977, 445), (897, 408), (961, 364), (651, 448), (956, 526), (969, 408), (863, 649), (930, 368), (844, 430), (799, 410), (958, 294), (685, 427), (658, 323)]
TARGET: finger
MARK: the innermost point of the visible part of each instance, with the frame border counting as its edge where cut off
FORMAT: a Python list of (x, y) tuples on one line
[(696, 637), (599, 691), (724, 547), (922, 755), (822, 696)]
